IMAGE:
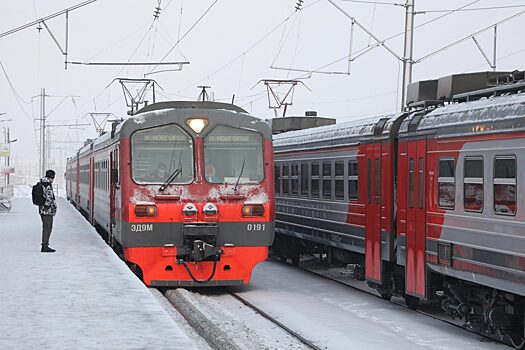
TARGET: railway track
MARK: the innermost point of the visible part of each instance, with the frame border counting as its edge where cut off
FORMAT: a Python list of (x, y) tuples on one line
[(288, 330), (219, 316), (393, 301)]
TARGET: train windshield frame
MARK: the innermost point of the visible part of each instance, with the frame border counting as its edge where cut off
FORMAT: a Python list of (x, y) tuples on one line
[(233, 155), (158, 152)]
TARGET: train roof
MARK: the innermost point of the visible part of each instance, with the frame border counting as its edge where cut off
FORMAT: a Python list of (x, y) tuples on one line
[(494, 114), (347, 133), (170, 112)]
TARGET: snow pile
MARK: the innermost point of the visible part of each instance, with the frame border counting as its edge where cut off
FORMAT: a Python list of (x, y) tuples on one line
[(22, 191)]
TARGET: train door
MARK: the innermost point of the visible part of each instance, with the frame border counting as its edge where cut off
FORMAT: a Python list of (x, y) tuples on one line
[(91, 189), (113, 176), (373, 213), (416, 219)]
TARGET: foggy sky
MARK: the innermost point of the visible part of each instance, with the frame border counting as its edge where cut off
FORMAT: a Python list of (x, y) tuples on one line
[(319, 34)]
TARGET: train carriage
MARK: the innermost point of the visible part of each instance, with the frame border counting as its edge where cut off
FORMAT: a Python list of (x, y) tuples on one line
[(183, 191), (429, 203)]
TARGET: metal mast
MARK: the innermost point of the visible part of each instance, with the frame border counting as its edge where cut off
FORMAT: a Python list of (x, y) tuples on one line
[(43, 132), (408, 50)]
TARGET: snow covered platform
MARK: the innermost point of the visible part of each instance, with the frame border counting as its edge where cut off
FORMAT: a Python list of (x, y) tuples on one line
[(80, 297)]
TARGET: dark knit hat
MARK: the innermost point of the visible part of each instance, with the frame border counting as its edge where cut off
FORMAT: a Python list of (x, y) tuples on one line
[(50, 174)]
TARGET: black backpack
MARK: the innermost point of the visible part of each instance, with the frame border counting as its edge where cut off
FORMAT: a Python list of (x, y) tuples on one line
[(37, 194)]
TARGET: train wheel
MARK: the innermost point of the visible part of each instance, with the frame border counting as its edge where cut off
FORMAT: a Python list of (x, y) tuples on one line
[(386, 294), (520, 345), (412, 302), (295, 259)]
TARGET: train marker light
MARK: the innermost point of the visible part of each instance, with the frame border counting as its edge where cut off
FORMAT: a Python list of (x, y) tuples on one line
[(210, 209), (253, 210), (197, 124), (189, 209), (145, 211)]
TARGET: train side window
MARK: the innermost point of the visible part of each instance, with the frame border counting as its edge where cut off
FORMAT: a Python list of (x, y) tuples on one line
[(446, 183), (353, 180), (505, 185), (295, 179), (369, 181), (473, 184), (327, 180), (411, 183), (377, 182), (420, 183), (315, 180), (304, 179), (286, 178), (277, 178), (339, 180)]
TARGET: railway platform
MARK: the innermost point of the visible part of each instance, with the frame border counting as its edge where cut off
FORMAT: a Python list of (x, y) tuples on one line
[(80, 297)]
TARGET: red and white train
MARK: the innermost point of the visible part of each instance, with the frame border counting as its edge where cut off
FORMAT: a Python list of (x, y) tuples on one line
[(183, 191), (430, 203)]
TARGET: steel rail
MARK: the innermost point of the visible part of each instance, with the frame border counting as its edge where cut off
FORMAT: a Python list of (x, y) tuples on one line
[(288, 330)]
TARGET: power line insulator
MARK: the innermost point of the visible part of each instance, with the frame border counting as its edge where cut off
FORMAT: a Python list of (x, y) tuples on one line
[(299, 5)]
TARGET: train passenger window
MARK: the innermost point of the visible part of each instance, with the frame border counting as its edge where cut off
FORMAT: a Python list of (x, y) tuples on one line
[(277, 179), (411, 183), (420, 183), (352, 180), (446, 183), (327, 180), (505, 185), (158, 152), (233, 155), (286, 179), (377, 182), (369, 181), (339, 180), (315, 180), (304, 180), (295, 179), (473, 184)]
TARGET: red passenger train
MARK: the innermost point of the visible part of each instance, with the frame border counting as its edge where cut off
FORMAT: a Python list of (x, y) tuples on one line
[(183, 191), (429, 203)]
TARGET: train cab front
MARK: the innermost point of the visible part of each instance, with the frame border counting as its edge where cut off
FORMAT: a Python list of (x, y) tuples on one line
[(205, 218)]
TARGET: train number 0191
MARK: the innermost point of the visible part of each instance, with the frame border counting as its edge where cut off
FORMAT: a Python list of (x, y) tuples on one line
[(255, 227)]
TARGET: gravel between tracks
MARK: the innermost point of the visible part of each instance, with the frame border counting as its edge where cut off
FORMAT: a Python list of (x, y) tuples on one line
[(226, 323)]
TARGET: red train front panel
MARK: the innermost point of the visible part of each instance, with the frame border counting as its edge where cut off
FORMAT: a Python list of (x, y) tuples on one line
[(196, 207)]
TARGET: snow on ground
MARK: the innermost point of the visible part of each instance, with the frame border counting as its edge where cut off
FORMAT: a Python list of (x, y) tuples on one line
[(22, 191), (200, 342), (236, 323), (334, 316), (81, 297)]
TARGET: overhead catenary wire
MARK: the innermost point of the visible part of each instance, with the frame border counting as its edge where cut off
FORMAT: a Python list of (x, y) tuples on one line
[(472, 9), (187, 32), (17, 96)]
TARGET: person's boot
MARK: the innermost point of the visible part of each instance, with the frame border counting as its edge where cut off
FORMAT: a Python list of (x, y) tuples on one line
[(47, 249)]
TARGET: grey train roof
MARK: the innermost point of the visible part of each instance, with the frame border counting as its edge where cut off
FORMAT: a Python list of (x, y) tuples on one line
[(495, 114), (348, 133), (176, 112)]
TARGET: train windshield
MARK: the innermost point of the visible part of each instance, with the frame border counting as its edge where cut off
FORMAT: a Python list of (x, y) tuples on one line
[(157, 153), (233, 155)]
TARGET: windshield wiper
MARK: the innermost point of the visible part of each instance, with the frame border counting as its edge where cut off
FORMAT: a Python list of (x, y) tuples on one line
[(240, 174), (173, 175), (170, 179)]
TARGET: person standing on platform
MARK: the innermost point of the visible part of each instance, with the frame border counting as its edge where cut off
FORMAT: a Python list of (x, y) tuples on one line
[(47, 210)]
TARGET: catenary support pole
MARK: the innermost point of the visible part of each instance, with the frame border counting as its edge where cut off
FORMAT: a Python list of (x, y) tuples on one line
[(408, 50)]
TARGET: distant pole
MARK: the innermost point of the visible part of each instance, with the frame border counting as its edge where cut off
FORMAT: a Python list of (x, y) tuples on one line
[(42, 131), (495, 39), (8, 141), (409, 48)]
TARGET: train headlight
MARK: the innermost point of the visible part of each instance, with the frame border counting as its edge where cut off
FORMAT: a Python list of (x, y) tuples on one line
[(145, 211), (197, 124), (253, 210), (189, 209), (210, 209)]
